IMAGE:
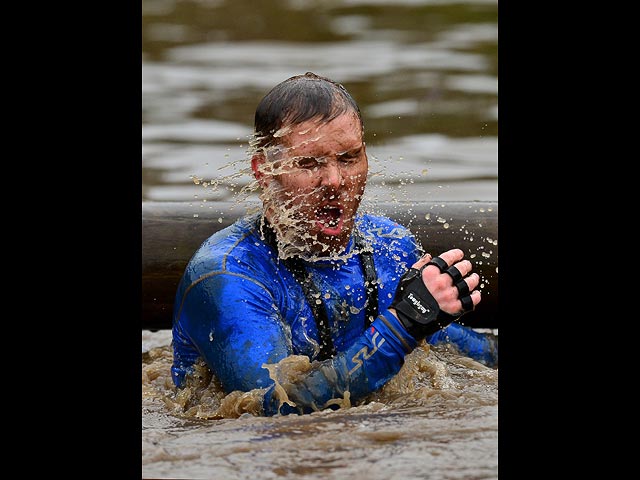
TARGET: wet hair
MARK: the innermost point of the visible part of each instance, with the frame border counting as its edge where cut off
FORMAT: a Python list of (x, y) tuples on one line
[(298, 99)]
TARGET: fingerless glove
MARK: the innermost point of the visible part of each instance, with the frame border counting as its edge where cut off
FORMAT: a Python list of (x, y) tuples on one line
[(416, 308)]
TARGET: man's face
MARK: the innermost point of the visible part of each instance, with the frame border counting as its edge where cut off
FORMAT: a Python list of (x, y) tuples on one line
[(314, 182)]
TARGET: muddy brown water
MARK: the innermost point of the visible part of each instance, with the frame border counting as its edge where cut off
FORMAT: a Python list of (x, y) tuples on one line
[(437, 419)]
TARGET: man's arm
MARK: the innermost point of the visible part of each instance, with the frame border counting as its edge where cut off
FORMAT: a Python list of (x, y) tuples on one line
[(232, 321), (371, 361)]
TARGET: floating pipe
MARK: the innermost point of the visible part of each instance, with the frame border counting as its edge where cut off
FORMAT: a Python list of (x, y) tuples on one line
[(172, 232)]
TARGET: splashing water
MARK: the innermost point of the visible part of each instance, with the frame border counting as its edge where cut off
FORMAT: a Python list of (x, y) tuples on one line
[(431, 375)]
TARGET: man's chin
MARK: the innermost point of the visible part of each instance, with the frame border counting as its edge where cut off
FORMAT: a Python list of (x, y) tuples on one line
[(333, 238)]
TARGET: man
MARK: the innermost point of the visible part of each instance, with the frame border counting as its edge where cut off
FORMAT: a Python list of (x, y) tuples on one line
[(311, 276)]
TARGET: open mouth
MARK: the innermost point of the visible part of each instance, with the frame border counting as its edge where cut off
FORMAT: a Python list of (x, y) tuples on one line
[(329, 219)]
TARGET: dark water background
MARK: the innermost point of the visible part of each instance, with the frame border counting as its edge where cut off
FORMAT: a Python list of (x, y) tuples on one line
[(425, 76)]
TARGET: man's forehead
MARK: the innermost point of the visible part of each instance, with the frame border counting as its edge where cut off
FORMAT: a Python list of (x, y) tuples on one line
[(321, 136)]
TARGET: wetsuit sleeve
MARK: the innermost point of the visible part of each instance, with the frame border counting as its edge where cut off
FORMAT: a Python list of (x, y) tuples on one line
[(479, 346), (233, 324), (366, 366), (235, 327)]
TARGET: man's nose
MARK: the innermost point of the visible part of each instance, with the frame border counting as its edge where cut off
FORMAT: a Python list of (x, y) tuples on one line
[(331, 175)]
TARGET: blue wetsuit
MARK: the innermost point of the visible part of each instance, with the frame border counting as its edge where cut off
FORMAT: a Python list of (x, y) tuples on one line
[(239, 307)]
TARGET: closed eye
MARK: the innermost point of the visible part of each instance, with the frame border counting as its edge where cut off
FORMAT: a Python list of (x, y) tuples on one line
[(306, 162), (350, 156)]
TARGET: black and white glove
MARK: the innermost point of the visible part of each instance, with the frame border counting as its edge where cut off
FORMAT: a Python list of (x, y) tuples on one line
[(416, 308)]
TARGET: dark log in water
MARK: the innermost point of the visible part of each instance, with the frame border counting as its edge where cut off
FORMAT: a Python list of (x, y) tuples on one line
[(172, 231)]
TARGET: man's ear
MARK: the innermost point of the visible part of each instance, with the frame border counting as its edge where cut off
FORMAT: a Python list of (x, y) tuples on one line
[(257, 162)]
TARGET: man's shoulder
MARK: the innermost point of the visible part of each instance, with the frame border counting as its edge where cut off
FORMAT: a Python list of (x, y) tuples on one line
[(394, 245), (373, 225), (230, 243)]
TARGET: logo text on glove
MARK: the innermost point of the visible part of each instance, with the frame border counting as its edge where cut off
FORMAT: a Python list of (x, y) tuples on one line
[(416, 303)]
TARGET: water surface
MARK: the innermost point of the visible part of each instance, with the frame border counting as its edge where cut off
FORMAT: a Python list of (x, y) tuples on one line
[(437, 419), (423, 72)]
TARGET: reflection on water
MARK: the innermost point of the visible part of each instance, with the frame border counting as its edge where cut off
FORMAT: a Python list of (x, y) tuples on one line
[(423, 72)]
